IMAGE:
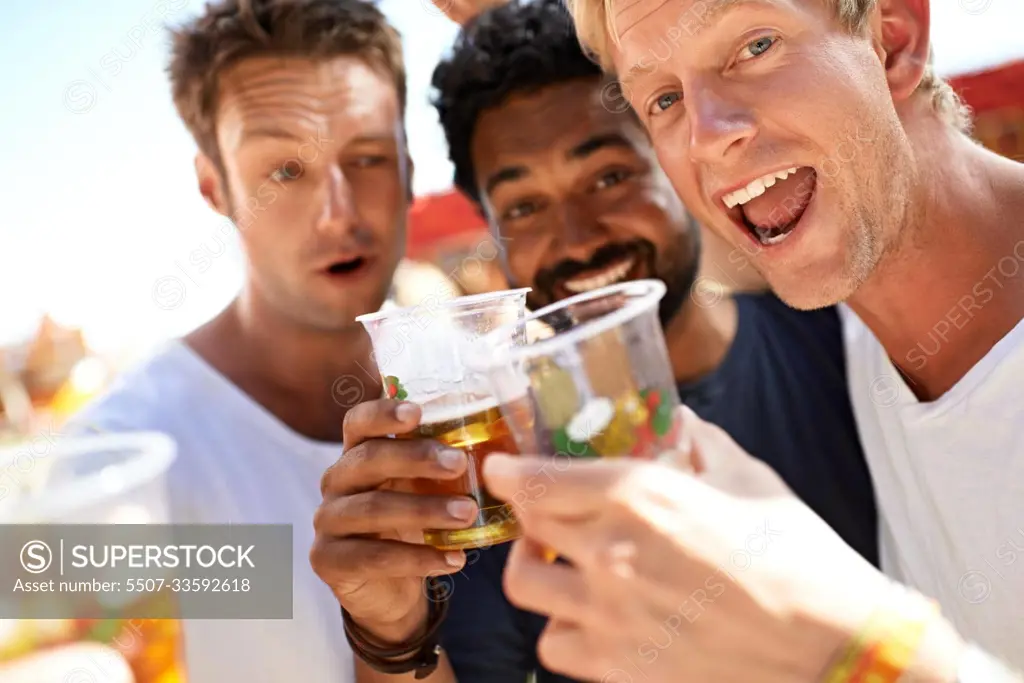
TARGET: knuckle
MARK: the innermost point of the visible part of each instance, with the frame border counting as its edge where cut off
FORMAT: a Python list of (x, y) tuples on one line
[(376, 557), (428, 508), (318, 518), (425, 450), (326, 516), (353, 419), (327, 478), (318, 556), (336, 475), (622, 501), (377, 505)]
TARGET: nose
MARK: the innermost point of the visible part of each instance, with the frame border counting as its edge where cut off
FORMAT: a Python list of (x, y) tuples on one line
[(720, 126), (581, 231), (339, 213)]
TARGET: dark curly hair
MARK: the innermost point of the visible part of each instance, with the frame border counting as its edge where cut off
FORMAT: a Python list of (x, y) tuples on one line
[(516, 48)]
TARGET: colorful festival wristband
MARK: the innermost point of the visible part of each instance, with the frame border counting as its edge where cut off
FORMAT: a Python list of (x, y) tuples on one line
[(886, 646)]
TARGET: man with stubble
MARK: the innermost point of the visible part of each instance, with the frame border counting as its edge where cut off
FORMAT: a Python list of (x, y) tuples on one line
[(296, 107)]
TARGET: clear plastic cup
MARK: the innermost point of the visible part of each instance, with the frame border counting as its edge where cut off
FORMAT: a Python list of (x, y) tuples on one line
[(593, 377), (429, 355), (102, 479)]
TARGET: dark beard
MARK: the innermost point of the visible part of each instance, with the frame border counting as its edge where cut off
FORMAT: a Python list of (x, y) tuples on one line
[(678, 271)]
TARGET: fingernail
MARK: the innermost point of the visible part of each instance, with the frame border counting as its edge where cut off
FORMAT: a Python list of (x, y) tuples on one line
[(454, 558), (405, 412), (500, 465), (450, 458), (460, 508)]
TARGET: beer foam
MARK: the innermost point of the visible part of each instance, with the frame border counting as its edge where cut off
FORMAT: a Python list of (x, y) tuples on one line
[(437, 353), (448, 408)]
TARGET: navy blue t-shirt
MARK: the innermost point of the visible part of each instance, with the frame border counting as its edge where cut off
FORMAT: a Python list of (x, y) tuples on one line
[(781, 394)]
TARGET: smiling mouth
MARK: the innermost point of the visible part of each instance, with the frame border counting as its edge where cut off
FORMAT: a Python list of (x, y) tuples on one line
[(610, 275), (770, 207)]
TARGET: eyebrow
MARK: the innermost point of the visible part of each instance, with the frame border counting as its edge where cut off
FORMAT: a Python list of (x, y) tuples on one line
[(274, 133), (270, 132), (581, 151), (711, 11)]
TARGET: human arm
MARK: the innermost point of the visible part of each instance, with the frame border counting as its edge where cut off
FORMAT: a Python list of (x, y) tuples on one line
[(717, 574)]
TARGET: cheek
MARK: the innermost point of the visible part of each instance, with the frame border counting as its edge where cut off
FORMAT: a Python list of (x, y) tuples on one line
[(297, 202), (524, 261), (380, 196)]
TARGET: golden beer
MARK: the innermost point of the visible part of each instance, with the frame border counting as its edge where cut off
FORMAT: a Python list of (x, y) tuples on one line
[(151, 648), (478, 428)]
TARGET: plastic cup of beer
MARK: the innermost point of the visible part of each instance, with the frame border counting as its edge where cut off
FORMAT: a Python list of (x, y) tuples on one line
[(101, 479), (429, 355), (592, 378)]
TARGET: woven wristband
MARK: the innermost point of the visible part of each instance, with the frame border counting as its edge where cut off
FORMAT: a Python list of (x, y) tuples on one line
[(885, 648)]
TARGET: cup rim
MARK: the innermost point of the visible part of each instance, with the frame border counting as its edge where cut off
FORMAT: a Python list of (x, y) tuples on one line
[(448, 304), (71, 497), (648, 292)]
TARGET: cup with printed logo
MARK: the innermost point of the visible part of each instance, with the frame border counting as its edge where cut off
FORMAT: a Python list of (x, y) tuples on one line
[(426, 355)]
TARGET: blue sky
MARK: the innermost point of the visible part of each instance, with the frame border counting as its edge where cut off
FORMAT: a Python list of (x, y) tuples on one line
[(99, 198)]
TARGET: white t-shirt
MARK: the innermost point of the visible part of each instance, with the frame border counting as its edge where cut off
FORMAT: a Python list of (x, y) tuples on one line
[(237, 463), (949, 478)]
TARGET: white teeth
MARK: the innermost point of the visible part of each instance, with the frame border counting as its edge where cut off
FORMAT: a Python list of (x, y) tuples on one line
[(768, 241), (755, 188), (606, 277)]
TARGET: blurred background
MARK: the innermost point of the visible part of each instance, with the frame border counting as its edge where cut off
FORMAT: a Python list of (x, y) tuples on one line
[(102, 215)]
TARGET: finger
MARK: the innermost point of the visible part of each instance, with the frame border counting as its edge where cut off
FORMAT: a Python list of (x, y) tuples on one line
[(564, 648), (575, 540), (373, 462), (684, 455), (349, 559), (373, 512), (726, 467), (531, 583), (573, 487), (376, 419)]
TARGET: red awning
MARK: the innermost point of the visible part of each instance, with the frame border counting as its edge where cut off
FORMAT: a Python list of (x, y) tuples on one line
[(438, 218)]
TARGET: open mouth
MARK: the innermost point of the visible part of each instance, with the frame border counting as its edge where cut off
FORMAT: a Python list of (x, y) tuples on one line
[(770, 207), (347, 267), (595, 279)]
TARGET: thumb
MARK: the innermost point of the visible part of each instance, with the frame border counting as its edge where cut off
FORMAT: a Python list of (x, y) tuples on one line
[(706, 450), (684, 455)]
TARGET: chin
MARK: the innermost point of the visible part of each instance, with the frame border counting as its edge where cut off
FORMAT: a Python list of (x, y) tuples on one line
[(812, 293), (335, 317)]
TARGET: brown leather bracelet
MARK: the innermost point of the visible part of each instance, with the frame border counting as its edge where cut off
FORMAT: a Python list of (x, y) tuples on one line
[(420, 654)]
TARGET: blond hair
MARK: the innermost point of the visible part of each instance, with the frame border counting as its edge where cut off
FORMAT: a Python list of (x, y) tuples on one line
[(596, 32)]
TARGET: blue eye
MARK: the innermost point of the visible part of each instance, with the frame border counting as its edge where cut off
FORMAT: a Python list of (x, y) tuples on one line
[(760, 46), (289, 171), (667, 100)]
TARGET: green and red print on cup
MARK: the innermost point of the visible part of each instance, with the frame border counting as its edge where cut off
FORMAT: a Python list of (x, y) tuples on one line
[(393, 388), (639, 423)]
